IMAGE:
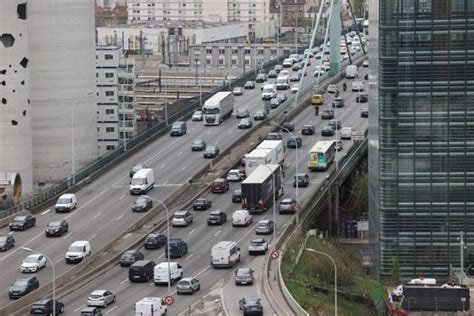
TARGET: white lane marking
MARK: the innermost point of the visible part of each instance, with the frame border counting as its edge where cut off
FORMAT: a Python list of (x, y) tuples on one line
[(180, 153), (93, 236), (184, 168), (46, 212), (288, 164), (58, 261), (97, 215), (111, 309), (161, 167), (67, 235), (208, 132), (83, 305), (192, 231), (310, 122), (188, 257), (217, 233), (161, 256), (230, 132), (124, 281), (118, 218), (123, 196)]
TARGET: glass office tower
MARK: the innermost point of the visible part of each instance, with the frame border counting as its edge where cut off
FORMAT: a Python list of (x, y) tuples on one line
[(421, 127)]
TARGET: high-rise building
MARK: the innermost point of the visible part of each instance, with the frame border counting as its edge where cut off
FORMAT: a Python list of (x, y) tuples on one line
[(421, 135), (115, 78)]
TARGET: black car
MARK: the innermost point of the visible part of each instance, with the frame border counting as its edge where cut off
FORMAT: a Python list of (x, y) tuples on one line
[(198, 145), (303, 180), (44, 307), (22, 222), (327, 114), (364, 112), (288, 127), (91, 311), (251, 306), (260, 115), (242, 113), (202, 204), (23, 286), (237, 196), (327, 131), (272, 74), (6, 242), (273, 136), (57, 227), (142, 204), (135, 168), (307, 130), (155, 241), (129, 257), (249, 85), (211, 152), (216, 218), (338, 103), (362, 97), (335, 124), (245, 123), (261, 78), (294, 142)]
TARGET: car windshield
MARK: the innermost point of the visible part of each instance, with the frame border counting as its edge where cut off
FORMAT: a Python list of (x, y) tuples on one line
[(210, 111), (243, 271), (256, 242), (140, 200), (54, 224), (200, 201), (244, 111), (183, 283), (19, 219), (3, 239), (197, 142), (287, 202), (128, 253), (138, 181), (96, 296), (31, 260), (137, 167), (64, 201), (210, 149), (260, 113), (213, 215), (75, 249), (179, 216), (21, 282)]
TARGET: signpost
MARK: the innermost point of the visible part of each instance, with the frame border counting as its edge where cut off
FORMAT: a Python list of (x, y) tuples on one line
[(275, 254), (358, 136), (169, 300)]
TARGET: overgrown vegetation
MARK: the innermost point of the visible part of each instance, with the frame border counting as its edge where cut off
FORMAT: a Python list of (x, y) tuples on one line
[(314, 270)]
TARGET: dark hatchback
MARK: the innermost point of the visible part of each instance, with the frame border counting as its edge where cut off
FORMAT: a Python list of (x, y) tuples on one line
[(294, 142), (57, 227), (327, 114), (6, 242), (211, 152), (23, 286), (288, 127), (216, 218), (45, 307), (237, 196), (22, 222), (202, 204), (364, 112), (251, 306), (273, 136), (260, 115), (362, 97), (178, 248), (327, 131), (142, 204), (302, 179), (155, 241), (245, 123), (129, 257), (198, 145), (307, 130)]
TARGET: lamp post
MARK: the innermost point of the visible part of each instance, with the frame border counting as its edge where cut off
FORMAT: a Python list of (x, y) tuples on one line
[(167, 237), (296, 163), (335, 275), (54, 275), (229, 62)]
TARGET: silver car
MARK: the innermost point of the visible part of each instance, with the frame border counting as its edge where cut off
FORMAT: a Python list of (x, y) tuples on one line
[(182, 218), (258, 246), (188, 285), (101, 298)]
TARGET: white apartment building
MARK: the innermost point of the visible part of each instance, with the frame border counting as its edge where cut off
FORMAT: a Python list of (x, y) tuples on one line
[(115, 77), (256, 12)]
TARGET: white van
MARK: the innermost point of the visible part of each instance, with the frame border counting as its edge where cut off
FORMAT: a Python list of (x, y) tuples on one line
[(66, 203), (282, 83), (142, 181), (241, 218), (287, 63), (294, 57), (150, 306), (357, 86), (225, 254), (78, 251), (351, 71), (268, 91), (160, 273)]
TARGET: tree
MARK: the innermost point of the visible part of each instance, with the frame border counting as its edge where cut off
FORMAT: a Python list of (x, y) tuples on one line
[(395, 271)]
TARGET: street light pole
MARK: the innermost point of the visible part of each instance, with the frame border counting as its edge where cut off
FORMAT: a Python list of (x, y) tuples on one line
[(335, 275), (167, 238), (54, 275)]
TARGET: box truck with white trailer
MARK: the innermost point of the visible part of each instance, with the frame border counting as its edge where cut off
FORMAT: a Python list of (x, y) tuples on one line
[(258, 188), (218, 108)]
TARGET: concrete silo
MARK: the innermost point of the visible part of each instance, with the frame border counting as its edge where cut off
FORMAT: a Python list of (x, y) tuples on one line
[(15, 107), (63, 97)]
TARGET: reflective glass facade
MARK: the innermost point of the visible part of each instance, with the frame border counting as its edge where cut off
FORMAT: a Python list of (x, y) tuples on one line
[(421, 150)]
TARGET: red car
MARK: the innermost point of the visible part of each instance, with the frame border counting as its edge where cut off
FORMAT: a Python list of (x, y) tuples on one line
[(220, 186)]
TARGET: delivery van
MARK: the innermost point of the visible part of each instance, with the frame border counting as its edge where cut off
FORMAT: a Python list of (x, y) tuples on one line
[(160, 275), (150, 306), (142, 181), (225, 254)]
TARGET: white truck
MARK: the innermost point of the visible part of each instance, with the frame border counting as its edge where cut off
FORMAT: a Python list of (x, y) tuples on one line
[(225, 254), (268, 152), (150, 306), (218, 108), (161, 274), (142, 181), (283, 83), (351, 71)]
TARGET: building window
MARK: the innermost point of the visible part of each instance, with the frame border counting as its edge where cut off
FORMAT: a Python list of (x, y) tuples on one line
[(260, 51), (247, 51), (234, 62), (109, 93), (273, 51), (221, 61), (110, 147), (208, 61), (109, 111), (108, 56), (109, 75), (235, 51), (197, 51), (209, 51), (110, 129), (247, 62), (221, 51)]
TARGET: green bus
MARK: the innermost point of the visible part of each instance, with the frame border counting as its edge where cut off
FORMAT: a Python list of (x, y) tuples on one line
[(322, 155)]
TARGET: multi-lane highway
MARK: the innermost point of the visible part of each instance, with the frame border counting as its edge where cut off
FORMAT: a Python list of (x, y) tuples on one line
[(201, 237), (104, 205)]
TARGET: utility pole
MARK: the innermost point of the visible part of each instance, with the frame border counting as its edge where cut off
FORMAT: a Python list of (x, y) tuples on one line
[(296, 27)]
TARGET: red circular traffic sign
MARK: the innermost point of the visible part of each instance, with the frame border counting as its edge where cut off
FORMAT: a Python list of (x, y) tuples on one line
[(169, 300), (275, 254)]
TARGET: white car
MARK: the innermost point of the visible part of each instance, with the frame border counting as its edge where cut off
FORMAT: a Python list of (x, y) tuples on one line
[(346, 133), (197, 116), (332, 88), (33, 263), (295, 88), (101, 298), (365, 64), (258, 246), (357, 85), (241, 218), (233, 175), (238, 91)]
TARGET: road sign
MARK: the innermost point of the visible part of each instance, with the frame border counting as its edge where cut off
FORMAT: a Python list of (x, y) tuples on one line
[(169, 300), (275, 254), (297, 207), (358, 135)]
